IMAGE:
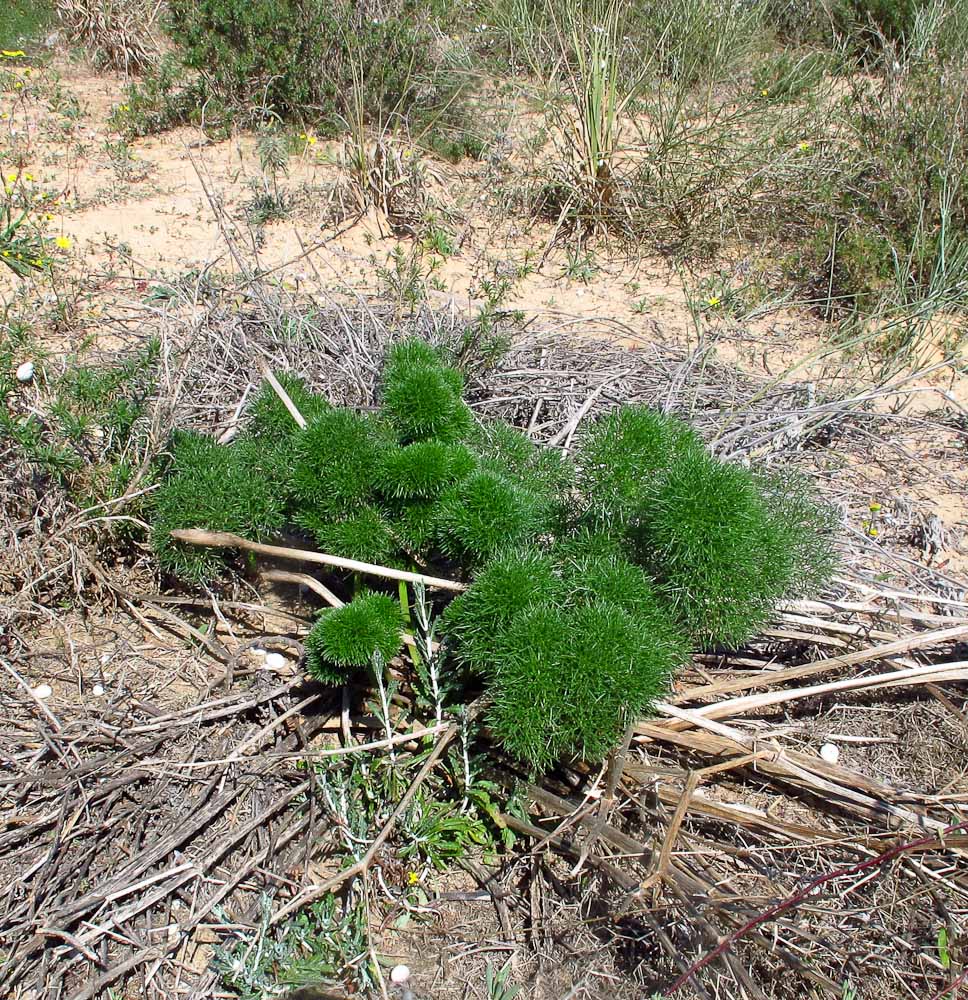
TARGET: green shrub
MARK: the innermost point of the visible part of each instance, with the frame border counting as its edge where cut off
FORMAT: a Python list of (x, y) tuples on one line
[(484, 513), (870, 20), (718, 550), (301, 59), (349, 637), (623, 458), (589, 581), (217, 488), (336, 461), (566, 681)]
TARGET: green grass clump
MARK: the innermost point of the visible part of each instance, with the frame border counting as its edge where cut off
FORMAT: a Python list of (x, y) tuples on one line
[(422, 470), (589, 580), (364, 534), (508, 585), (270, 421), (217, 488), (566, 681), (424, 401), (335, 463), (349, 637)]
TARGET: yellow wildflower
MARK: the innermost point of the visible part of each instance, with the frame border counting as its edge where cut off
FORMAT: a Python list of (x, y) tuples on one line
[(28, 177), (11, 178), (63, 242), (764, 92), (804, 146), (713, 301), (413, 878), (12, 53), (875, 507)]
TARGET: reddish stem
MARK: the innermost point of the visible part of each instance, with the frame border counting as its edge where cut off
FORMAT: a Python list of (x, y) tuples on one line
[(799, 897), (952, 987)]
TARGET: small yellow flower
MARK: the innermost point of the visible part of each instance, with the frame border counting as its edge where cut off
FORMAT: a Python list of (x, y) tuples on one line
[(413, 878), (804, 146), (125, 107), (48, 217), (28, 177), (12, 53), (4, 116), (764, 92), (63, 242), (11, 178), (713, 301), (873, 532), (18, 85), (875, 507)]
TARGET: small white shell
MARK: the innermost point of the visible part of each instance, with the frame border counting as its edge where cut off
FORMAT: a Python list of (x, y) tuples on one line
[(25, 372), (97, 690), (830, 753), (275, 661), (43, 691), (399, 974)]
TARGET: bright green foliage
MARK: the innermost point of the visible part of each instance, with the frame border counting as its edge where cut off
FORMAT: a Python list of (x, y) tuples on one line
[(589, 581), (568, 681), (217, 488), (270, 421), (508, 585), (363, 534), (424, 401), (336, 458), (623, 458), (422, 470), (350, 636), (716, 548), (484, 513)]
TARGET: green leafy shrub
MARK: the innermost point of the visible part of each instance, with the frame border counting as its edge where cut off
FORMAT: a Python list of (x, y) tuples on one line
[(623, 457), (719, 550), (217, 488), (299, 58), (352, 635), (589, 581)]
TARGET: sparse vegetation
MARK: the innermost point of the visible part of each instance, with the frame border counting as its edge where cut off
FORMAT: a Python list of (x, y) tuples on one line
[(612, 503)]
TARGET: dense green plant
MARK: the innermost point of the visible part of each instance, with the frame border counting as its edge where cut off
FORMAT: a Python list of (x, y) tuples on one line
[(219, 488), (589, 579), (352, 635), (301, 59)]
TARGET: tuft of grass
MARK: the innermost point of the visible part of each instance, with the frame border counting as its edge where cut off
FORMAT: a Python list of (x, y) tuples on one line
[(485, 513), (422, 470), (506, 586), (335, 461), (350, 637)]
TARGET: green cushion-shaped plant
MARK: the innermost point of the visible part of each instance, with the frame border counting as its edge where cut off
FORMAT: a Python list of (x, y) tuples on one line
[(422, 470), (566, 682), (270, 421), (509, 584), (350, 636), (710, 538), (423, 402), (484, 513), (218, 488), (335, 463), (364, 534), (623, 457)]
